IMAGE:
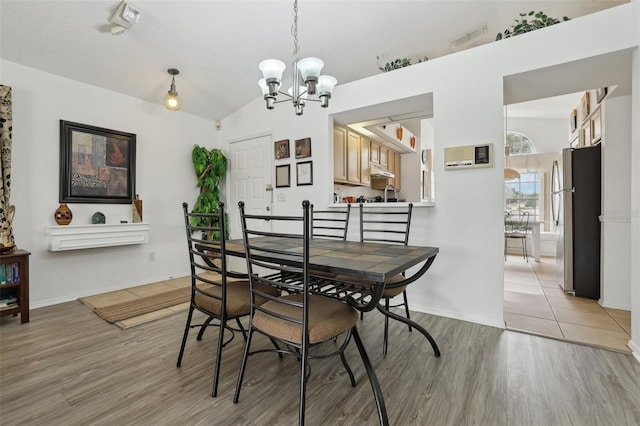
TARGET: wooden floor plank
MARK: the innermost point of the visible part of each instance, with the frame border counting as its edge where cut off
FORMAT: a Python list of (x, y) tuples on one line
[(69, 367)]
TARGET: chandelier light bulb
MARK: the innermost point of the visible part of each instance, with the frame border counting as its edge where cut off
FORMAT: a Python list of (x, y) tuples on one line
[(171, 100)]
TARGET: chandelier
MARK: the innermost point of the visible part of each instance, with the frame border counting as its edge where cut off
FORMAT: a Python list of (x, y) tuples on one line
[(306, 77)]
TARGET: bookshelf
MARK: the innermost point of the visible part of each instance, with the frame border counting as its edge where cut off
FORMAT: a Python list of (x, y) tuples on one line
[(14, 284)]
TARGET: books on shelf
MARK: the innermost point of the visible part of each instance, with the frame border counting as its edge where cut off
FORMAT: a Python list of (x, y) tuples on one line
[(9, 273), (8, 302)]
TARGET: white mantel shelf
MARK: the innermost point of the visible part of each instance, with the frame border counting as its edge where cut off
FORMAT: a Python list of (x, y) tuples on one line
[(76, 237)]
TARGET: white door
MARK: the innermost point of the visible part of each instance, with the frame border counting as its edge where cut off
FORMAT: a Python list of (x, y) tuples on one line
[(251, 166)]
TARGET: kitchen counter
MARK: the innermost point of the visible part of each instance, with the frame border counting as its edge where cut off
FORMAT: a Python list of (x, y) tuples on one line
[(384, 205)]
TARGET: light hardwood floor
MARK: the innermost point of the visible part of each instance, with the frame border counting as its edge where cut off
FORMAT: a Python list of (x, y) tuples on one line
[(69, 367)]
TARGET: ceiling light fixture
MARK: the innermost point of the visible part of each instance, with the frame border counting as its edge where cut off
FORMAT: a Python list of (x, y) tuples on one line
[(171, 100), (125, 17), (305, 71)]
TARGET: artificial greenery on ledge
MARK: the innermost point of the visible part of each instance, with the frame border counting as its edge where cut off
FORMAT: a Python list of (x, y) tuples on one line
[(397, 63), (210, 167), (530, 22)]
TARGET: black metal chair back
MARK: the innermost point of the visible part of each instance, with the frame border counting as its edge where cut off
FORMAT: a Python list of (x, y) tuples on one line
[(389, 225), (209, 286), (330, 223), (296, 317)]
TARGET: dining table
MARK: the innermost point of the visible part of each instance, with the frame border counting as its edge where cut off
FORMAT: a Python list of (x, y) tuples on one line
[(375, 262)]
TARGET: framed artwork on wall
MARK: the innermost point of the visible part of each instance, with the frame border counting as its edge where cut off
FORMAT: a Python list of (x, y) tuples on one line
[(600, 94), (584, 106), (97, 165), (283, 174), (573, 121), (303, 148), (281, 149), (304, 173), (596, 127)]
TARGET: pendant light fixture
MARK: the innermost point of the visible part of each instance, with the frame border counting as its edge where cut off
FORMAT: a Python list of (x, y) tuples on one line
[(171, 100), (306, 77)]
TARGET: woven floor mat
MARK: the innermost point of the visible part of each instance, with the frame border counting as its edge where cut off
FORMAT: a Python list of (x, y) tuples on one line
[(144, 305)]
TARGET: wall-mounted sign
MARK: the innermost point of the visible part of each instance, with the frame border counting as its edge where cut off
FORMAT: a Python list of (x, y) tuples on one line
[(471, 156)]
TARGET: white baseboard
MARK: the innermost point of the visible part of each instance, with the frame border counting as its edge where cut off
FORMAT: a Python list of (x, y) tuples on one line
[(458, 316), (635, 349)]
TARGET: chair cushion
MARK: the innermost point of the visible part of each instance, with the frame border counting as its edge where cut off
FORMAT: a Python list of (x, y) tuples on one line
[(387, 293), (238, 298), (327, 318)]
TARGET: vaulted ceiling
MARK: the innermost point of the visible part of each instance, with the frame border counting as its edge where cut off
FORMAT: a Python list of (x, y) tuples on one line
[(217, 45)]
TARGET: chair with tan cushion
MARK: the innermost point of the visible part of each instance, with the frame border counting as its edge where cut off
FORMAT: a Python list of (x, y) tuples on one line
[(388, 225), (215, 291), (297, 318)]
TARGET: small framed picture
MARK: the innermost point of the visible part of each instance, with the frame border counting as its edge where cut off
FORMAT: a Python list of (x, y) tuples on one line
[(573, 121), (600, 94), (584, 106), (283, 174), (303, 148), (596, 128), (304, 173), (281, 149)]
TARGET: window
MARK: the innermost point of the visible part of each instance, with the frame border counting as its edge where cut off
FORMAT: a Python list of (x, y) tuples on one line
[(523, 191), (523, 194)]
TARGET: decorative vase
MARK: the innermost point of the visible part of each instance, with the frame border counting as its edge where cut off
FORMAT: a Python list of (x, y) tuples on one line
[(399, 132), (413, 141), (137, 210), (63, 215)]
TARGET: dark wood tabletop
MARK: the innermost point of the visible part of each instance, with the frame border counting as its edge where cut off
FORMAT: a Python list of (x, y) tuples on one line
[(371, 261)]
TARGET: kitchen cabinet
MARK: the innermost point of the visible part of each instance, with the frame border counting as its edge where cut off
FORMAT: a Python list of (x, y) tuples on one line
[(395, 167), (384, 157), (339, 154), (365, 168), (398, 171), (353, 157), (375, 153)]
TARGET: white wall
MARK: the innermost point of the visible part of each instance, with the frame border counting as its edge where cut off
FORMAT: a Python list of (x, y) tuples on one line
[(164, 179), (548, 135), (466, 280), (616, 202), (634, 253)]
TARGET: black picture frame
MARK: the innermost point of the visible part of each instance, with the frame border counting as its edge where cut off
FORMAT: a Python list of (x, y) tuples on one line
[(303, 148), (281, 149), (97, 165), (304, 173), (283, 176)]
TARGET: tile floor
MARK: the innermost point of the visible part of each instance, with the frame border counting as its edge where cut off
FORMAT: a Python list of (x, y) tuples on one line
[(535, 303)]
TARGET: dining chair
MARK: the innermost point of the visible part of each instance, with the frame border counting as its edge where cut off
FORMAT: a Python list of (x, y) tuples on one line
[(330, 223), (389, 225), (516, 228), (297, 318), (217, 292)]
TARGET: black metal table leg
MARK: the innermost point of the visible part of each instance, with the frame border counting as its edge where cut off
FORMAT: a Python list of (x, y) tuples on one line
[(373, 379), (417, 326)]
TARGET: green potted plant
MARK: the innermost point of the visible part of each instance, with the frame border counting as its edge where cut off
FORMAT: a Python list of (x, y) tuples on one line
[(529, 22), (397, 63), (210, 167)]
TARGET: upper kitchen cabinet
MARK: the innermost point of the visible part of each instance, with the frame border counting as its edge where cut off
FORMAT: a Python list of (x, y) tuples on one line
[(353, 157), (339, 154), (375, 153), (365, 168)]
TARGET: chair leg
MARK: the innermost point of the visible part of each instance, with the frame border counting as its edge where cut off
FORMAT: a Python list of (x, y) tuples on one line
[(346, 364), (216, 373), (524, 248), (375, 385), (184, 336), (303, 381), (240, 326), (386, 329), (505, 249), (245, 355), (406, 307)]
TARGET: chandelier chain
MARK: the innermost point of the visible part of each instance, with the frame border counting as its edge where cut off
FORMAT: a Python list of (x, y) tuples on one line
[(294, 31)]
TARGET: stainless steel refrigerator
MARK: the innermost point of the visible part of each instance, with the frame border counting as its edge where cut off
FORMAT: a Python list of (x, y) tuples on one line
[(576, 208)]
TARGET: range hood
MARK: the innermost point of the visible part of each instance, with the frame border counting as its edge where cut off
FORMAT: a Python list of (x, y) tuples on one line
[(377, 171)]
